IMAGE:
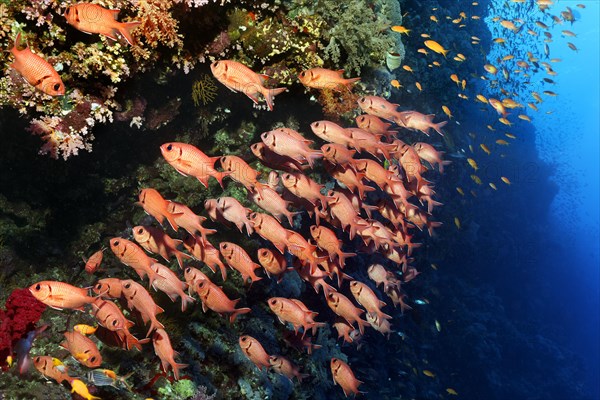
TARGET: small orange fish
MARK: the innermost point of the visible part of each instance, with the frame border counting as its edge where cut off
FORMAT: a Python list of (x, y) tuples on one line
[(85, 329), (60, 295), (82, 349), (164, 351), (321, 78), (137, 297), (155, 240), (36, 71), (237, 258), (254, 351), (215, 299), (400, 29), (295, 312), (133, 256), (156, 206), (274, 263), (239, 78), (189, 160), (93, 263), (92, 18), (343, 376), (285, 367)]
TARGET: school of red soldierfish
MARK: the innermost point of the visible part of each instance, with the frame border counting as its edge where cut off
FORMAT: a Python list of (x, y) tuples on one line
[(317, 259)]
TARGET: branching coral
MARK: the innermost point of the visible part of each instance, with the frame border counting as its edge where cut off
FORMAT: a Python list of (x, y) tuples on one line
[(204, 90)]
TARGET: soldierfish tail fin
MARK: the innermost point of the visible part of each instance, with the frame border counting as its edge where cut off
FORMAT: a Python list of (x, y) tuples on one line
[(431, 225), (237, 312), (316, 325), (180, 256), (312, 156), (176, 368), (154, 324), (438, 127), (432, 203), (361, 325), (185, 300), (270, 94), (342, 258), (219, 177), (442, 164), (125, 29), (385, 150), (350, 82)]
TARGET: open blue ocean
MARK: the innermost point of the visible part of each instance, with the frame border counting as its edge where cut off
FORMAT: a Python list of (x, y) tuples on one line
[(226, 199)]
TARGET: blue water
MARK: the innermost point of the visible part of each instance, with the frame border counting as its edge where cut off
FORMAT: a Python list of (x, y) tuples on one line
[(569, 139)]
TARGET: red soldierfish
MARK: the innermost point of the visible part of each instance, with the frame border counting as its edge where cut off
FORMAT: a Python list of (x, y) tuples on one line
[(239, 78), (343, 376), (155, 240), (287, 145), (60, 295), (155, 205), (189, 160), (164, 351), (321, 78), (137, 297), (133, 256), (36, 71), (92, 18), (214, 298), (254, 351)]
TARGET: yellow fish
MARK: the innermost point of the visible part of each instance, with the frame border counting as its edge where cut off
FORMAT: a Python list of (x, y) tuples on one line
[(460, 191), (456, 21), (435, 46), (508, 25), (425, 35), (491, 128), (463, 84), (9, 360), (77, 386), (455, 79), (476, 179), (422, 51), (475, 17), (400, 29), (434, 266), (524, 117), (437, 64), (502, 142), (451, 391), (438, 326), (485, 148), (463, 96), (505, 121), (418, 85), (481, 98), (428, 373), (500, 40), (510, 135), (85, 329), (395, 83), (472, 163), (433, 18), (447, 111), (493, 186), (532, 106), (549, 93), (462, 57), (505, 180), (407, 68), (475, 38), (508, 57)]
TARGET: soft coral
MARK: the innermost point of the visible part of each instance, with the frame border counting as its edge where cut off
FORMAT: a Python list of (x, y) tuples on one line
[(22, 312)]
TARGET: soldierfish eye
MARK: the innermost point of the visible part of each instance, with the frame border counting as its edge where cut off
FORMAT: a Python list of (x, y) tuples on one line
[(127, 286), (303, 74), (116, 243), (56, 86), (141, 230), (188, 270), (38, 286), (169, 147), (93, 358), (114, 323), (244, 338), (217, 64)]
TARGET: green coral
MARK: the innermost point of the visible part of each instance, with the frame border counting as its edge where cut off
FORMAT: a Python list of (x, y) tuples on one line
[(179, 390)]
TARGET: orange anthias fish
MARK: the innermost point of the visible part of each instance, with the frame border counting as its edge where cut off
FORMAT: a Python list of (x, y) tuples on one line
[(36, 71), (155, 205), (215, 299), (343, 376), (92, 18), (321, 78), (60, 295), (254, 351), (82, 349), (239, 78), (189, 160), (164, 351)]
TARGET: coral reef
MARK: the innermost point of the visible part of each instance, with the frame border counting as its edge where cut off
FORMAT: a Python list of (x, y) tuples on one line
[(21, 313)]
